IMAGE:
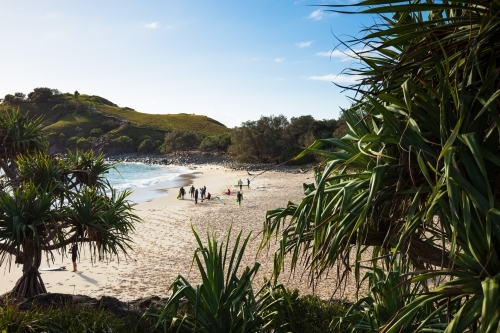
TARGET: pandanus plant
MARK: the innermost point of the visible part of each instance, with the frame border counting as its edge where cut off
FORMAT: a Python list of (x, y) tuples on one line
[(48, 202), (225, 301), (416, 179)]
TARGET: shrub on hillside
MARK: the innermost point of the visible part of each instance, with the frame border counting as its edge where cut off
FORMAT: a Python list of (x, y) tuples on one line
[(110, 125), (83, 144), (216, 142), (146, 146), (96, 132), (122, 143), (71, 143), (181, 140)]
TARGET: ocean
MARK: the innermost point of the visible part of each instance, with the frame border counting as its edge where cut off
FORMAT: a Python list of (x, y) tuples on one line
[(146, 181)]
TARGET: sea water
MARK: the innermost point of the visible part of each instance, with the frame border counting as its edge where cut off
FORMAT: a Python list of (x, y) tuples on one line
[(146, 181)]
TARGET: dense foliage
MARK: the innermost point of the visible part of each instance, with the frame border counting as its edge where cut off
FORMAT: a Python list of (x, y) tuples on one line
[(416, 178), (306, 313), (275, 139)]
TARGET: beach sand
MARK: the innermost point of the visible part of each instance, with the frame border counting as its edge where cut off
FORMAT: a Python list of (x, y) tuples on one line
[(164, 243)]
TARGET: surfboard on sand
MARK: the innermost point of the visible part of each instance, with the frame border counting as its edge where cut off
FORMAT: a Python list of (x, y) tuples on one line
[(58, 268), (221, 201)]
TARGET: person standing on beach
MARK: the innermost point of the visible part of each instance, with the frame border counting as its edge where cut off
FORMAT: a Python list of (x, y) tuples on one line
[(240, 182), (74, 255), (182, 191), (191, 191), (196, 196), (239, 197), (248, 182)]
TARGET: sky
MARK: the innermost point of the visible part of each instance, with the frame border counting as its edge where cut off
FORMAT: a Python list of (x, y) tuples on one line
[(233, 61)]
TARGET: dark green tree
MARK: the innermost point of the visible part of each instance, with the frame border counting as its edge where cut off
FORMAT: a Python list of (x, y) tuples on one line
[(42, 94), (416, 177), (181, 140)]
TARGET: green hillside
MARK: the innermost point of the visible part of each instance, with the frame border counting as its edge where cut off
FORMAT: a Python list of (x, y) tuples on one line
[(87, 121)]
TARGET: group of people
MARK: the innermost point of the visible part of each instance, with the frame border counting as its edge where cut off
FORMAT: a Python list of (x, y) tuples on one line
[(202, 192), (195, 193)]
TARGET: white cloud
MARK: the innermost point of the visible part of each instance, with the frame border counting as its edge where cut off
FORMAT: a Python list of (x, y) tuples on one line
[(317, 15), (279, 79), (304, 44), (152, 25), (349, 79), (279, 59), (343, 55)]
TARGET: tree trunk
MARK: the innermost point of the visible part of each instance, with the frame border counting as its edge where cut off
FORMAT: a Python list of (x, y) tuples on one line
[(30, 284)]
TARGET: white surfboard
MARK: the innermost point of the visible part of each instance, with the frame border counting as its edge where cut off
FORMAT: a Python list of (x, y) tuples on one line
[(58, 268)]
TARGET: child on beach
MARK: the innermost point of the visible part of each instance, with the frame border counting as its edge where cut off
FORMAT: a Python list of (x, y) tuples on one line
[(239, 197)]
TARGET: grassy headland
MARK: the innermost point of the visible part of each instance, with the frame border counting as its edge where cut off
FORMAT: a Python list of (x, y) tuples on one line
[(86, 121)]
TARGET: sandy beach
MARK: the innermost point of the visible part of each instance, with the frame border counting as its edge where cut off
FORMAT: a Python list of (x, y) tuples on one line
[(164, 243)]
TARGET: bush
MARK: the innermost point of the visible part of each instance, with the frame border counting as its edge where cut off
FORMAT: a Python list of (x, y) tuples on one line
[(39, 95), (83, 144), (181, 140), (146, 146), (96, 132), (110, 125), (122, 143), (216, 142), (307, 314), (71, 143)]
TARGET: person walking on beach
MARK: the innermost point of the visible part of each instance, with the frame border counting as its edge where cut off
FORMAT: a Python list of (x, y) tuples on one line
[(239, 197), (240, 182), (248, 182), (182, 191), (191, 191), (196, 196), (74, 255)]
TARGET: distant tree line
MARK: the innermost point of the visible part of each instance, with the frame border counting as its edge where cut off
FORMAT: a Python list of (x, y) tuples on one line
[(38, 95), (269, 139)]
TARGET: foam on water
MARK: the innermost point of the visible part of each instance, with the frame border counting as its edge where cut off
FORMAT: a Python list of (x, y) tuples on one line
[(136, 176)]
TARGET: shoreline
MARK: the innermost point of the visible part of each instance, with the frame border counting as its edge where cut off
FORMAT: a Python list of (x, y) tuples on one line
[(164, 243)]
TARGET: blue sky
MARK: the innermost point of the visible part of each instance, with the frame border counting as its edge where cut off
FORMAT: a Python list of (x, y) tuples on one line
[(230, 60)]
